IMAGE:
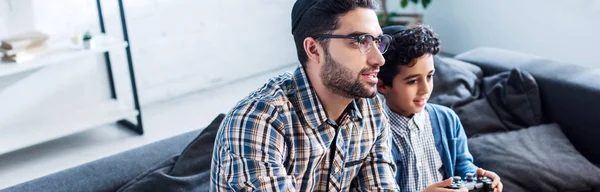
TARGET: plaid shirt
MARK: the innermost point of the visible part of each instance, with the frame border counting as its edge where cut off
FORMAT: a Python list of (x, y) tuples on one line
[(280, 139), (419, 161)]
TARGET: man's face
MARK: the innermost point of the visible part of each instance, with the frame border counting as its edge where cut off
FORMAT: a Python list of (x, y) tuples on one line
[(348, 72), (411, 87)]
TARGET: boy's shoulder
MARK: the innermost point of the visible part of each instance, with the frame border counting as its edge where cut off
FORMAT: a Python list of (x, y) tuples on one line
[(432, 107), (444, 117), (441, 113)]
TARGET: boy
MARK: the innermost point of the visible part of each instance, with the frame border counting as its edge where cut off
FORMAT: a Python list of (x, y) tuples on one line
[(428, 141)]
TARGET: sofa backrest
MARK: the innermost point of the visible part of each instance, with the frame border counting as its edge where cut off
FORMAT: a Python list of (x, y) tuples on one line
[(112, 172), (570, 93)]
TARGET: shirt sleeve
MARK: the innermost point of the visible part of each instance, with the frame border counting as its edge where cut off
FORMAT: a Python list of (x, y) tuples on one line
[(249, 151), (464, 159)]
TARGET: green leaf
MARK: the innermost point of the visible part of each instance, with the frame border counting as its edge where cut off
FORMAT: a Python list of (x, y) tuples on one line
[(403, 3), (388, 22), (425, 3)]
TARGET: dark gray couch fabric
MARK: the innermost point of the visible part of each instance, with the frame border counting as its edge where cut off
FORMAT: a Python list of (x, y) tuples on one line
[(189, 171), (110, 173), (506, 101), (538, 158), (570, 93), (497, 111)]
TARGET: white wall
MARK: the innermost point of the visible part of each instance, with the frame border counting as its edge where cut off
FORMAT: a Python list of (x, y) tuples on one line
[(187, 45), (178, 46), (566, 31), (15, 16)]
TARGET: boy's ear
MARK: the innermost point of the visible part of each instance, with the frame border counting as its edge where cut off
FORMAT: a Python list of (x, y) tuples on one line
[(383, 89)]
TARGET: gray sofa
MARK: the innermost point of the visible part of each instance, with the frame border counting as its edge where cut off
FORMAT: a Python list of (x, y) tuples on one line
[(110, 173), (570, 96)]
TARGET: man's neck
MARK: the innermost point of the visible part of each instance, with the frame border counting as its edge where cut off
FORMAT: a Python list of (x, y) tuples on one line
[(334, 104)]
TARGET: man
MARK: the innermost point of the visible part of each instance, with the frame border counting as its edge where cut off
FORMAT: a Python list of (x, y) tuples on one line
[(428, 141), (320, 128)]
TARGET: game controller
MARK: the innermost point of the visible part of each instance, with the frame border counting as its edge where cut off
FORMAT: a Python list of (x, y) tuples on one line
[(472, 183)]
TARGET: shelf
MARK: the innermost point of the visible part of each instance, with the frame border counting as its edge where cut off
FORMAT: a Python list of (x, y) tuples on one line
[(59, 53), (39, 126), (43, 127)]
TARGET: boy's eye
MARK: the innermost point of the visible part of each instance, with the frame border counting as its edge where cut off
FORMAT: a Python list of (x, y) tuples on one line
[(411, 82), (429, 76)]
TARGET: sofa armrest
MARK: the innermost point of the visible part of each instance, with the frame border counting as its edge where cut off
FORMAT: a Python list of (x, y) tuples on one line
[(570, 93), (109, 173)]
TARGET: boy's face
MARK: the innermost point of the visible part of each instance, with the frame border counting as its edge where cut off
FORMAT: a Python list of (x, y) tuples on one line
[(411, 87)]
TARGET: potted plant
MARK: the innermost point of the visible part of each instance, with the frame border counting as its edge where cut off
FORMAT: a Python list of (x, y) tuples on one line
[(87, 40), (387, 18)]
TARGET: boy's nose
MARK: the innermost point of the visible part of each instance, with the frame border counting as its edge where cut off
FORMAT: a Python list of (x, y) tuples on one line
[(424, 88)]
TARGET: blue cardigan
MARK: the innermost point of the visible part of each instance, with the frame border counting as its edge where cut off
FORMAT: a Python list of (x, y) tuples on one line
[(450, 141)]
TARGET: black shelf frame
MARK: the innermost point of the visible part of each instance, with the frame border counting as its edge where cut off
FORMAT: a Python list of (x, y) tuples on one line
[(139, 127)]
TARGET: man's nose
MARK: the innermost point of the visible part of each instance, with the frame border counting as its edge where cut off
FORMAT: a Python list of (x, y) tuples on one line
[(375, 58)]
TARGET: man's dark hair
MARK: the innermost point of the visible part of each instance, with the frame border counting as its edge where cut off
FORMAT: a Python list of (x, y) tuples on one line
[(407, 45), (321, 17)]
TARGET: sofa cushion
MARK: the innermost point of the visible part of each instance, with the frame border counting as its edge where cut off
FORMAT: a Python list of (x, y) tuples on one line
[(457, 85), (189, 171), (539, 158), (515, 98), (455, 82), (569, 92), (501, 102), (109, 173)]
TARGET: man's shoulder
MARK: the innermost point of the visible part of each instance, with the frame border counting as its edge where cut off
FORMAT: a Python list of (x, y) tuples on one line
[(275, 90), (373, 110), (267, 101), (373, 104)]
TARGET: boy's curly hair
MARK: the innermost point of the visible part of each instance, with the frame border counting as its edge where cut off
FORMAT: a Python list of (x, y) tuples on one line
[(406, 46)]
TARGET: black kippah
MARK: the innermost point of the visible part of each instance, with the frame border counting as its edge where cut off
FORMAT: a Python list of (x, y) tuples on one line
[(393, 29), (300, 7)]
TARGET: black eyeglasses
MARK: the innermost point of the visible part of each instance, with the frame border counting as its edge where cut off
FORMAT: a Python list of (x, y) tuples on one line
[(364, 42)]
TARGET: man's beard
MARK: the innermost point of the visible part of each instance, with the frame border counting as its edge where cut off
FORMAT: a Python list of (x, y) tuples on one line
[(340, 80)]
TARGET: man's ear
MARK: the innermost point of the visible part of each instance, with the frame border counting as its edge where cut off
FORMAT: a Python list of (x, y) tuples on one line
[(312, 49), (383, 89)]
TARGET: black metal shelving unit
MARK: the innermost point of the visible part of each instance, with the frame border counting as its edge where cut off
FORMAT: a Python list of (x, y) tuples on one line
[(138, 128)]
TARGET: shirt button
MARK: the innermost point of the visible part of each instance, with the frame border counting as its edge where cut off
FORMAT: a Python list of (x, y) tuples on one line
[(337, 169)]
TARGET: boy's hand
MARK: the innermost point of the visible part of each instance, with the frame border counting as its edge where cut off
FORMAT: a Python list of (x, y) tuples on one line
[(440, 187), (496, 184)]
